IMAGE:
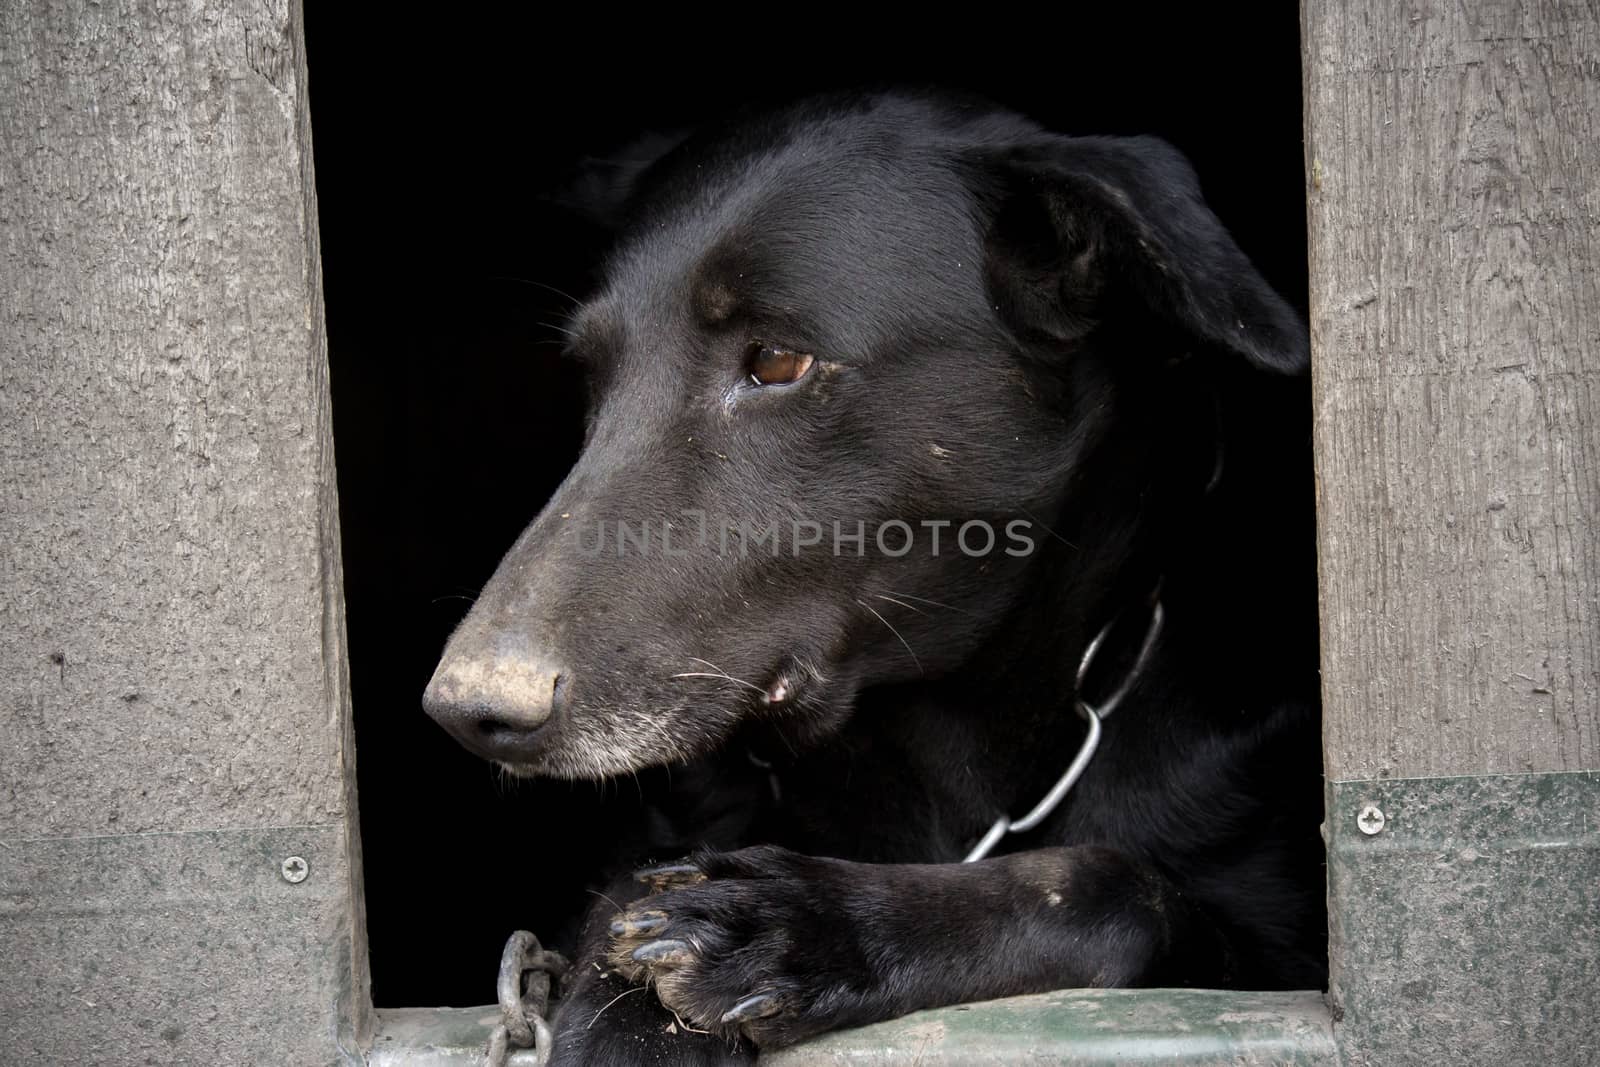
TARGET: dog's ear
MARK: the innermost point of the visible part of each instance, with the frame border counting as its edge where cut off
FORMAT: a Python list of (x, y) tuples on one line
[(1078, 226), (601, 187)]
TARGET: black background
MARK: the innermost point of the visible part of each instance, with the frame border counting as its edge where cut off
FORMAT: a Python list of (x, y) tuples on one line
[(436, 136)]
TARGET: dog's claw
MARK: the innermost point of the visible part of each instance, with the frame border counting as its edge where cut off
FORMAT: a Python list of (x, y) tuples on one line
[(666, 951), (641, 922), (760, 1006), (670, 876)]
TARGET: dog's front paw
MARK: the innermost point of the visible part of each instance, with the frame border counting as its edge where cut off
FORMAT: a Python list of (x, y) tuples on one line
[(606, 1021), (761, 943)]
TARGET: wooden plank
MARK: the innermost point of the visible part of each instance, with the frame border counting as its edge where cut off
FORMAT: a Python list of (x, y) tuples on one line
[(171, 619), (1452, 154)]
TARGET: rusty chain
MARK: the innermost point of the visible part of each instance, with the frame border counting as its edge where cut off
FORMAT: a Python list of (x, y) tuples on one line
[(526, 971)]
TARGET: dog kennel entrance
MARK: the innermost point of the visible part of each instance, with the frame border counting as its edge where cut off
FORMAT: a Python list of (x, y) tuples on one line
[(179, 867), (457, 420)]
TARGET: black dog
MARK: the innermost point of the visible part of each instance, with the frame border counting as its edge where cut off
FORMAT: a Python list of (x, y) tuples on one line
[(826, 337)]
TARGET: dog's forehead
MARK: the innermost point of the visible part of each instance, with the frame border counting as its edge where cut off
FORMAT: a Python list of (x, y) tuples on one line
[(804, 229)]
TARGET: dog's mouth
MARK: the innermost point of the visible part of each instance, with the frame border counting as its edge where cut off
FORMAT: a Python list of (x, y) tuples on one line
[(786, 683), (614, 739), (779, 692)]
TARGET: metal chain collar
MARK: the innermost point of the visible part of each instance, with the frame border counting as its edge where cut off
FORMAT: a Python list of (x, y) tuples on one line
[(526, 971), (1091, 714)]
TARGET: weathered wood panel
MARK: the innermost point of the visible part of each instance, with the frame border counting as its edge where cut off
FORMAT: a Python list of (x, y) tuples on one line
[(1453, 152), (171, 623)]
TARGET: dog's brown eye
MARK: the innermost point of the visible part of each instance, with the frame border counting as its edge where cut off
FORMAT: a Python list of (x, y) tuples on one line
[(777, 366)]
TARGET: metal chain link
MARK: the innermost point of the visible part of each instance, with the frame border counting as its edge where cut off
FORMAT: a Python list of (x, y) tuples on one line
[(523, 989), (1091, 714)]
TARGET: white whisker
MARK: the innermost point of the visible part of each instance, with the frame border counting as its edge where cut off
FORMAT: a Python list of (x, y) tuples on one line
[(608, 900), (613, 1000), (724, 677), (811, 669), (1049, 531), (902, 603), (934, 603), (539, 285), (562, 330), (892, 630)]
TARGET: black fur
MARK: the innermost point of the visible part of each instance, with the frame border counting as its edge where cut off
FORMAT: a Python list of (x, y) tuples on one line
[(1007, 324)]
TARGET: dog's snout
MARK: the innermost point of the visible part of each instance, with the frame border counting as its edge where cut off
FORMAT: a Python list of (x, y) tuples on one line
[(496, 703)]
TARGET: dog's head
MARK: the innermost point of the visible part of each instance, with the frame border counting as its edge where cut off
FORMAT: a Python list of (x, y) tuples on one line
[(848, 364)]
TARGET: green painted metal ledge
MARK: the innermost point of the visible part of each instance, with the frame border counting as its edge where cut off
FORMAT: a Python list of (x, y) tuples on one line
[(1088, 1027)]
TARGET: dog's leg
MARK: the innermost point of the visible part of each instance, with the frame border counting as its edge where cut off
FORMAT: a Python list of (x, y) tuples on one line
[(775, 946), (607, 1020)]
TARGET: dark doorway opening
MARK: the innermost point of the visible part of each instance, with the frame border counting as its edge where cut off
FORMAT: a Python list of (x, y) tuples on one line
[(446, 269)]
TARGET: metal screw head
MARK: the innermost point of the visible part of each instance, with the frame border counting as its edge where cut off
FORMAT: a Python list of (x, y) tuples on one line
[(295, 869), (1371, 820)]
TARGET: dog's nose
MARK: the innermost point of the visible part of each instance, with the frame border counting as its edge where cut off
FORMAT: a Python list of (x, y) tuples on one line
[(495, 703)]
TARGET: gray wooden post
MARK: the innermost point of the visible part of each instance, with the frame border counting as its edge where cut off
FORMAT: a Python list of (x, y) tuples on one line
[(1453, 152), (174, 720)]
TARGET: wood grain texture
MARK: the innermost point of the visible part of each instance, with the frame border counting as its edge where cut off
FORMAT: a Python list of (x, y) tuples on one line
[(1453, 160), (171, 615)]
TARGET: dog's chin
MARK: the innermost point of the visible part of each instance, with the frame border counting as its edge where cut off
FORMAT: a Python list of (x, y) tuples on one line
[(599, 747), (520, 770), (612, 747), (589, 764)]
